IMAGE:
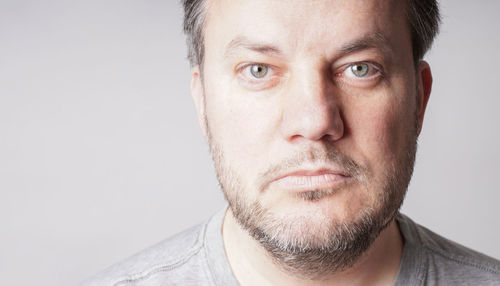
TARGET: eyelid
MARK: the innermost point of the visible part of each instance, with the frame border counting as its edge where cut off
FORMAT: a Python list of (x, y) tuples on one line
[(243, 66)]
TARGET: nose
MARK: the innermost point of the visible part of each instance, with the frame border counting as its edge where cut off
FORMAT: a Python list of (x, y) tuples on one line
[(311, 108)]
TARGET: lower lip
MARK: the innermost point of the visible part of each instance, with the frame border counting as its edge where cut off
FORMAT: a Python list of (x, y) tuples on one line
[(301, 183)]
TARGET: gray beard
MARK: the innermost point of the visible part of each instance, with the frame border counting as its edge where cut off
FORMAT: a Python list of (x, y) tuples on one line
[(342, 245), (343, 249)]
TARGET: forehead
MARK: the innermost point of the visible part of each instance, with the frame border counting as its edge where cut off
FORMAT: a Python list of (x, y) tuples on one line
[(304, 25)]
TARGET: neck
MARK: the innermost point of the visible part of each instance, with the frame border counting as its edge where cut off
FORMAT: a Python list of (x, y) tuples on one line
[(252, 265)]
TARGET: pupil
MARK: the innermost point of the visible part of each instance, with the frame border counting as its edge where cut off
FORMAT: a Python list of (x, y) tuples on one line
[(259, 71), (360, 70)]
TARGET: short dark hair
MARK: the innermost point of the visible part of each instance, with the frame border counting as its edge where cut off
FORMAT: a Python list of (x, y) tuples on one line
[(423, 16)]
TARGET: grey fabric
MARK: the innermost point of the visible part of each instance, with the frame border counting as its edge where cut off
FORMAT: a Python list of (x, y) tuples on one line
[(429, 259), (197, 257), (193, 257)]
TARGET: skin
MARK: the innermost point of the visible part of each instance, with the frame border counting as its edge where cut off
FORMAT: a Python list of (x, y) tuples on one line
[(309, 100)]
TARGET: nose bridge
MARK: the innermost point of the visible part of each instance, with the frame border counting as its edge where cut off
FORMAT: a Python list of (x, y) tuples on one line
[(310, 94), (311, 108)]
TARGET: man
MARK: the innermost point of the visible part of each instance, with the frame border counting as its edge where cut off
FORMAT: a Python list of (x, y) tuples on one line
[(312, 111)]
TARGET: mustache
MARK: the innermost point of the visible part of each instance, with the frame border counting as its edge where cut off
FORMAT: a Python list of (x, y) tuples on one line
[(325, 155)]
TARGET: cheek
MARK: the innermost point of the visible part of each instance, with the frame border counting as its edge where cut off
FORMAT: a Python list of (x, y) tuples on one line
[(380, 132), (375, 137), (242, 125)]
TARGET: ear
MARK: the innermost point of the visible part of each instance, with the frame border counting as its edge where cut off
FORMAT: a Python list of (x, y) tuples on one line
[(424, 91), (199, 98)]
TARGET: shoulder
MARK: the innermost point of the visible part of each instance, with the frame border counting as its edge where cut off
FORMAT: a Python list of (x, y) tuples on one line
[(165, 259), (448, 261)]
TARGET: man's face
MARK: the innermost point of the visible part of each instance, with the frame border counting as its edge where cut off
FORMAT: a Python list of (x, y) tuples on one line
[(311, 115)]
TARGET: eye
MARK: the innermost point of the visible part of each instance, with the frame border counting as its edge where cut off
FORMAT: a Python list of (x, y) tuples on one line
[(360, 74), (258, 70), (360, 69), (258, 76)]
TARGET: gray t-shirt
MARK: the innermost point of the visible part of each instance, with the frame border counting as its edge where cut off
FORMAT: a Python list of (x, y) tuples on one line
[(196, 257)]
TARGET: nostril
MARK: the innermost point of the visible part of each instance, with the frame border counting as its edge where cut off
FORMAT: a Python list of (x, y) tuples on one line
[(315, 126)]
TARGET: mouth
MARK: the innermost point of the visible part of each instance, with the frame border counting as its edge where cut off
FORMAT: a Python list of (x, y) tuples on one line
[(307, 180)]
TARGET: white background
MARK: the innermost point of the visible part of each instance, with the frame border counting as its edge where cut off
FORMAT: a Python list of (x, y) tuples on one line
[(101, 156)]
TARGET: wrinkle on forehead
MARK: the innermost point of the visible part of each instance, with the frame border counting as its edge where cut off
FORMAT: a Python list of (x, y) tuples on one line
[(304, 25)]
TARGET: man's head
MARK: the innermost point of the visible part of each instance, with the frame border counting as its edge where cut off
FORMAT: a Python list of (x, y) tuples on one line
[(312, 110)]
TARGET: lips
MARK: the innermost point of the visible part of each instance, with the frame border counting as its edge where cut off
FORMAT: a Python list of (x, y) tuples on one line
[(306, 180)]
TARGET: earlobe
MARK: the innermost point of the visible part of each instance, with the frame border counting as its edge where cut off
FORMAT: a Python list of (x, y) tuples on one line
[(199, 98), (424, 91)]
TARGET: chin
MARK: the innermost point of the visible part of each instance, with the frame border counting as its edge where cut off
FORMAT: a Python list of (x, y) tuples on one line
[(329, 205), (315, 231), (303, 221)]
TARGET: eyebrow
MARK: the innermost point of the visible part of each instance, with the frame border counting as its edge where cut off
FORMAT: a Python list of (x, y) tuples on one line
[(245, 43), (376, 41), (372, 41)]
